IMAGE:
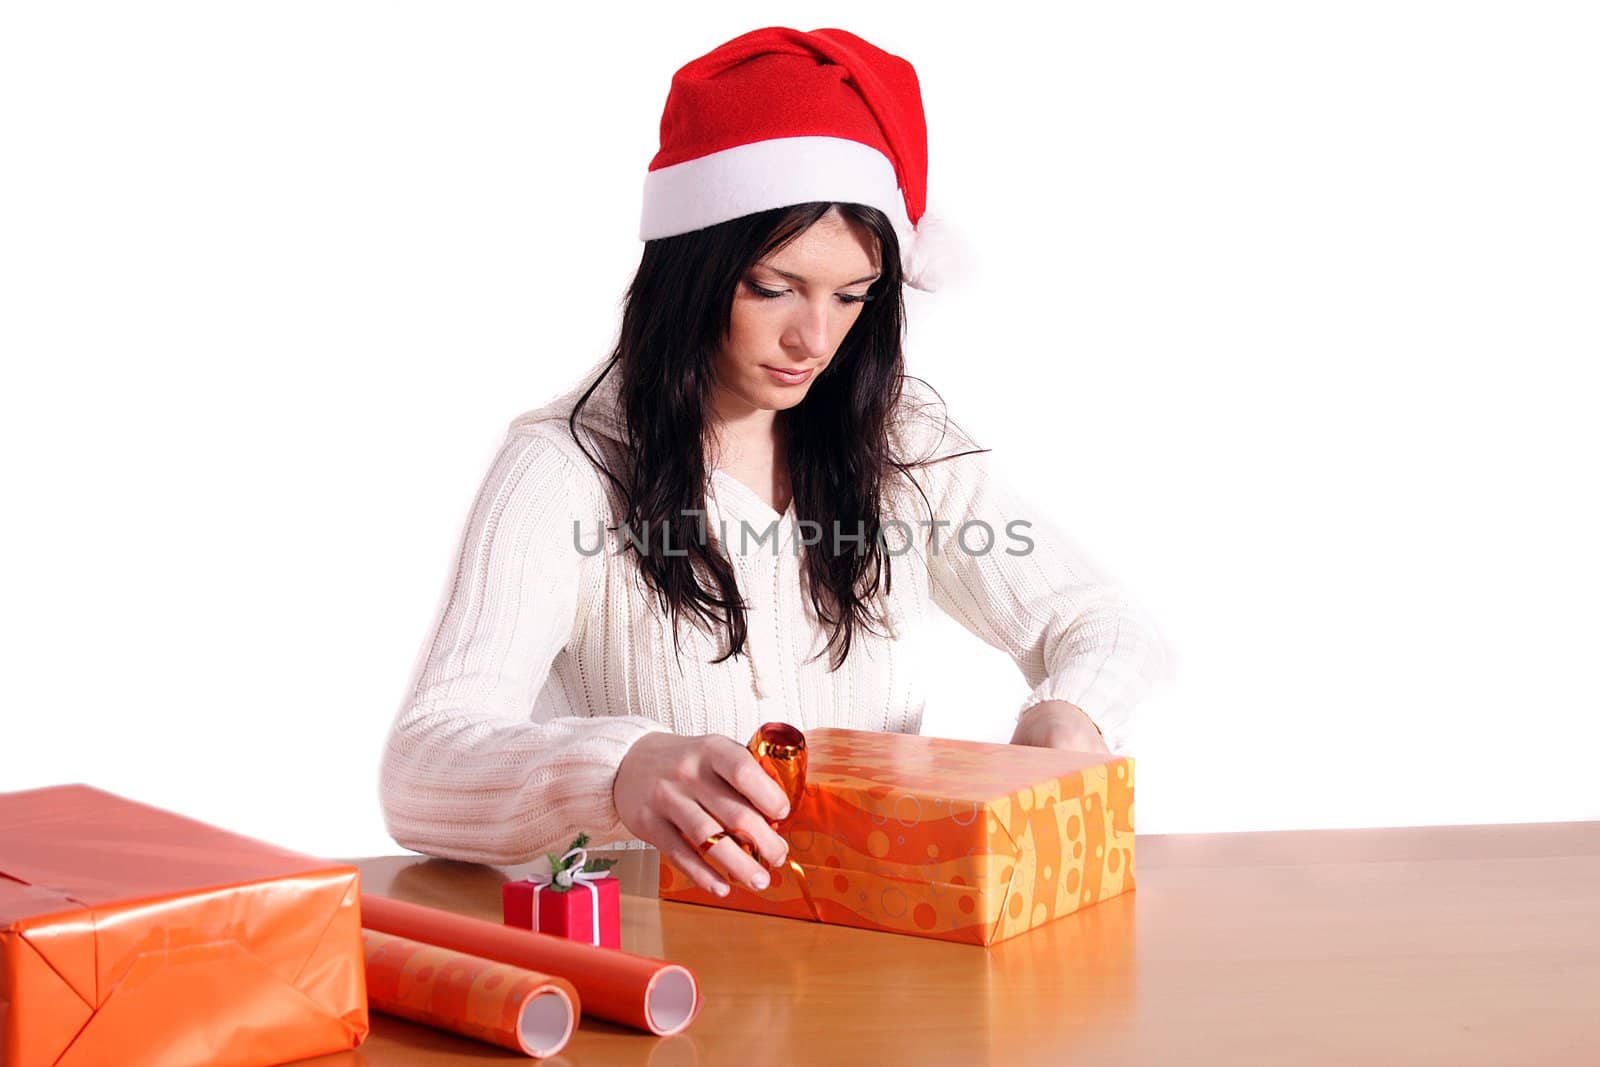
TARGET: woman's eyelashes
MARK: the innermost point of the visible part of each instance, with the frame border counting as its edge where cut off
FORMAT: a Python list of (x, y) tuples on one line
[(769, 294)]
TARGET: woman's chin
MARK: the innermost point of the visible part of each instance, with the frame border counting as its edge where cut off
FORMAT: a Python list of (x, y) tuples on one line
[(767, 396), (779, 398), (789, 399)]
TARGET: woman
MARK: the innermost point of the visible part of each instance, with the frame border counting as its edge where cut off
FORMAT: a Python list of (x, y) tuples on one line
[(743, 513)]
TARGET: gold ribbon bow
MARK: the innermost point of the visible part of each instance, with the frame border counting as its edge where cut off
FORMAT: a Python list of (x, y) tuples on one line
[(781, 751)]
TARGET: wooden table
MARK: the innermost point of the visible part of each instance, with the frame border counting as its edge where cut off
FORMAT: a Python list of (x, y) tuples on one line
[(1444, 945)]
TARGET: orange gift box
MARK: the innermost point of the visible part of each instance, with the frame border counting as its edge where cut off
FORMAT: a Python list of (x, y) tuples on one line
[(136, 937), (956, 840)]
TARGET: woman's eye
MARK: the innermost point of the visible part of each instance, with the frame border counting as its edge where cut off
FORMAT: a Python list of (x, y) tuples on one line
[(770, 294)]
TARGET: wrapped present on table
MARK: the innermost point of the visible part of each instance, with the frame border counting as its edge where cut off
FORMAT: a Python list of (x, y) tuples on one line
[(957, 840), (136, 937), (576, 900)]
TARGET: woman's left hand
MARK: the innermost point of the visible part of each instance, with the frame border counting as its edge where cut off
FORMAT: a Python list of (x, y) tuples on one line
[(1058, 724)]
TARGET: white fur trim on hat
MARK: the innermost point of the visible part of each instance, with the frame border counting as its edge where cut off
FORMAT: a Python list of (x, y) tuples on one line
[(778, 172)]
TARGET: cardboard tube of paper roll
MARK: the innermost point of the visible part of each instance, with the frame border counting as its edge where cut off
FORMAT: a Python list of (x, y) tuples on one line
[(638, 991)]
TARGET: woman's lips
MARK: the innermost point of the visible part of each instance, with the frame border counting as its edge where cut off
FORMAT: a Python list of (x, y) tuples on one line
[(788, 377)]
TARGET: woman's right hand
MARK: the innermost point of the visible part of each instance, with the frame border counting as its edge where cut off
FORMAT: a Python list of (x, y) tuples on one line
[(674, 792)]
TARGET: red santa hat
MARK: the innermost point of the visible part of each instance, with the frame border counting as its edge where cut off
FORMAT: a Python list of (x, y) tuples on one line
[(777, 117)]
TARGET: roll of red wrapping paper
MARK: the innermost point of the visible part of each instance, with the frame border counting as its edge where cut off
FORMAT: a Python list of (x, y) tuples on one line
[(496, 1002), (638, 991)]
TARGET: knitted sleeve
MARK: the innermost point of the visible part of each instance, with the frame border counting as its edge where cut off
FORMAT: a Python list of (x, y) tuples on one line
[(1025, 590), (466, 773)]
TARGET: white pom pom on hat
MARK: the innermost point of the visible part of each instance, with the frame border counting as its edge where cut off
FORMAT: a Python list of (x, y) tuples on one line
[(779, 116), (935, 255)]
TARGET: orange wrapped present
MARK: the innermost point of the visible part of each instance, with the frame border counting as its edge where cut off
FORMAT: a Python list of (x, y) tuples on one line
[(956, 840), (136, 937)]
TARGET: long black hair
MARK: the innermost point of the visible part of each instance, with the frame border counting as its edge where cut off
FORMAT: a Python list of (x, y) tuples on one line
[(841, 446)]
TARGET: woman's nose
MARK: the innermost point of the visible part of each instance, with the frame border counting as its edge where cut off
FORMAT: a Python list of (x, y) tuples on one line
[(809, 332)]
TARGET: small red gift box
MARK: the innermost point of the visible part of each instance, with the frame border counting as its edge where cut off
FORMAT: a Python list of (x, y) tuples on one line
[(591, 911)]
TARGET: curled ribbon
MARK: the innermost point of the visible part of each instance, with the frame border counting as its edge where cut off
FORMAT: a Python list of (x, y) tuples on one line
[(780, 749), (572, 874)]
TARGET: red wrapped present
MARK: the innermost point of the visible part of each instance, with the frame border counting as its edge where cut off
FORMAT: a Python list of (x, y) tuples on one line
[(136, 937), (577, 900)]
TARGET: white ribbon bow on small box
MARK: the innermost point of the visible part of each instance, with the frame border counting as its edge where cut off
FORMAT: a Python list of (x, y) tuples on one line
[(570, 875)]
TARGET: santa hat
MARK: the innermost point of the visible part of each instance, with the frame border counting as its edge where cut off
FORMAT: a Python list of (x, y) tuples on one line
[(777, 117)]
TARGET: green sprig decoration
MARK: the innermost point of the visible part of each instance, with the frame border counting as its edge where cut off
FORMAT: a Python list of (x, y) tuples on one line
[(557, 866)]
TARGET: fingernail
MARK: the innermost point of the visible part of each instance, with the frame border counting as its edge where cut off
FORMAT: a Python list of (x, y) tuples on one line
[(719, 888), (759, 879)]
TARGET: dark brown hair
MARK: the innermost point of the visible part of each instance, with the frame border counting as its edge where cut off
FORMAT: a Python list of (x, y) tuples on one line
[(841, 448)]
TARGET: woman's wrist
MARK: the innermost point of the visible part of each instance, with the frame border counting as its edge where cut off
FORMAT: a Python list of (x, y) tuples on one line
[(1058, 724)]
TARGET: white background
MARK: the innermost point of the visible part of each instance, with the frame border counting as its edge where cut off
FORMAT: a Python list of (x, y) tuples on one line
[(1287, 312)]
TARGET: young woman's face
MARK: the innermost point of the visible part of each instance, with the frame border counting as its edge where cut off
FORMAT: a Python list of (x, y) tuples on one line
[(790, 312)]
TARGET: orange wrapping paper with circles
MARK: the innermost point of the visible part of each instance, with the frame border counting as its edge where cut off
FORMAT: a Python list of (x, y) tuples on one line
[(622, 987), (956, 840), (513, 1007)]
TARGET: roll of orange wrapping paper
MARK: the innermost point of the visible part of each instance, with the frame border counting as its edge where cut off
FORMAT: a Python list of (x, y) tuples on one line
[(638, 991), (496, 1002)]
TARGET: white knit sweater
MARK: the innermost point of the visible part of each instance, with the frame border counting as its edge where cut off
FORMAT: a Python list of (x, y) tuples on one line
[(545, 663)]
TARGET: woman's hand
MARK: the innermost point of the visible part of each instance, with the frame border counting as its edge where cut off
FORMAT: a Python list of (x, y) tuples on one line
[(1058, 724), (673, 792)]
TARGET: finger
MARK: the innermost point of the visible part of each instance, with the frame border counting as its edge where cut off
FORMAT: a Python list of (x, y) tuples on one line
[(665, 837), (736, 766), (698, 825), (734, 812)]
